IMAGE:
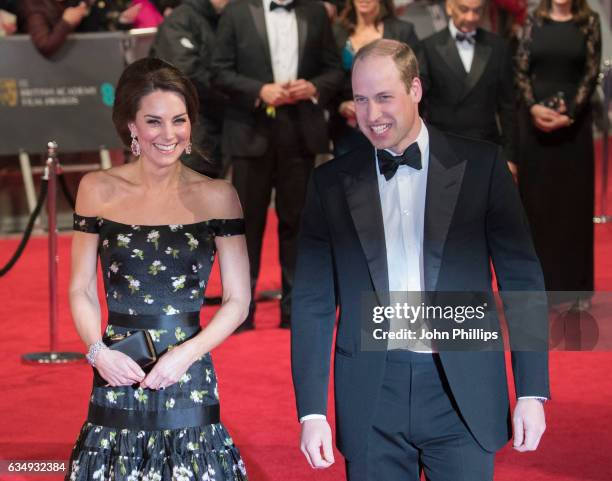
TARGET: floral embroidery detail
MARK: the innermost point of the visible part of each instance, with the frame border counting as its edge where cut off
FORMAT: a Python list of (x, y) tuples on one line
[(192, 242), (114, 267), (178, 282), (134, 284), (137, 253), (197, 396), (170, 311), (172, 252), (181, 473), (140, 395), (152, 476), (175, 227), (170, 403), (194, 294), (148, 299), (153, 237), (123, 240), (99, 473), (185, 378), (112, 396), (105, 243), (156, 267), (156, 334), (180, 334)]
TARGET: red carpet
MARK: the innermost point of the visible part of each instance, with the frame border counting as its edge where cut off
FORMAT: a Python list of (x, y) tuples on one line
[(42, 407)]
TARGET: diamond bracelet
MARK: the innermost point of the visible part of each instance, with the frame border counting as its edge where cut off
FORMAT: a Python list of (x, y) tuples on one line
[(93, 351)]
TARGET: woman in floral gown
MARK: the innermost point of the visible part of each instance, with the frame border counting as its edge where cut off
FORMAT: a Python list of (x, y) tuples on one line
[(156, 226)]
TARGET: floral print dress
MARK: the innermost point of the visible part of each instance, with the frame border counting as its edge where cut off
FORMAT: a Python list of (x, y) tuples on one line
[(157, 274)]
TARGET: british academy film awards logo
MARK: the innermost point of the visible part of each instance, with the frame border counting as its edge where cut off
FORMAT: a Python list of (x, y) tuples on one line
[(8, 93)]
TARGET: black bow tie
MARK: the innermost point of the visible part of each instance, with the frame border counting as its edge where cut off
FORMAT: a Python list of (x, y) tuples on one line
[(287, 6), (467, 37), (389, 163)]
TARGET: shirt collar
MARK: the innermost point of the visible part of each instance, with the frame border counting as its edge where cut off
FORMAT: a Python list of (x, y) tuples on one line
[(454, 30)]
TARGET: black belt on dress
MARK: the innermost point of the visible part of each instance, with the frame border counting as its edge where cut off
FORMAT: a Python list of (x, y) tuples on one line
[(153, 420), (148, 321)]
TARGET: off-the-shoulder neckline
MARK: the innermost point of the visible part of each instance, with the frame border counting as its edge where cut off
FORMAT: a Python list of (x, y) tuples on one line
[(207, 221)]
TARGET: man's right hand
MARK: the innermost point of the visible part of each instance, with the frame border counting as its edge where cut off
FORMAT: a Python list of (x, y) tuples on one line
[(316, 443), (275, 94), (73, 15)]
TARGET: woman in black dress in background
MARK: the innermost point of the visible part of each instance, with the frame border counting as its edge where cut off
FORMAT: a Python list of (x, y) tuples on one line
[(557, 68)]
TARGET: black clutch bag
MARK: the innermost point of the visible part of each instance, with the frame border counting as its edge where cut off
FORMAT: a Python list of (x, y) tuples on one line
[(138, 345)]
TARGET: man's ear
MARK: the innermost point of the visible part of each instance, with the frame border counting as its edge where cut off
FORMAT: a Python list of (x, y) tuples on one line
[(448, 7), (416, 90)]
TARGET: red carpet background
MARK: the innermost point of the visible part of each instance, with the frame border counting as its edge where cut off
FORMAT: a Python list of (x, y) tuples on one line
[(43, 407)]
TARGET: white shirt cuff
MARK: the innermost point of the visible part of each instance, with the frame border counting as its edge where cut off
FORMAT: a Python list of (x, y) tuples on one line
[(539, 398), (312, 416)]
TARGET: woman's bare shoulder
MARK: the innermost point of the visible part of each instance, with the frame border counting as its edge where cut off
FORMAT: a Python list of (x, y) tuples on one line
[(217, 197), (98, 188)]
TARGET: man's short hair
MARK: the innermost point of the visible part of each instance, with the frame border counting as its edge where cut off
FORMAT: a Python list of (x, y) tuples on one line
[(402, 55)]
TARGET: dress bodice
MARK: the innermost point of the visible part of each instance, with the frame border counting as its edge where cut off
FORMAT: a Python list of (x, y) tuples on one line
[(160, 269)]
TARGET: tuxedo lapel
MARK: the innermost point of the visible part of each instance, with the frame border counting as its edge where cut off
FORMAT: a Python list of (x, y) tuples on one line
[(257, 13), (444, 178), (482, 52), (361, 189), (447, 49), (302, 27)]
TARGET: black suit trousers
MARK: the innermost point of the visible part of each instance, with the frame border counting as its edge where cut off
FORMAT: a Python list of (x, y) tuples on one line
[(286, 167), (417, 427)]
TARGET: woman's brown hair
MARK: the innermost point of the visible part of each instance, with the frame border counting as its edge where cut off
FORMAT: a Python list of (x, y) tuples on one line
[(143, 77), (580, 10), (348, 16)]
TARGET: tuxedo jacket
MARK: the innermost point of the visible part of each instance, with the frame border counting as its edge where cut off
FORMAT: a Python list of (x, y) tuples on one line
[(242, 65), (469, 103), (473, 216)]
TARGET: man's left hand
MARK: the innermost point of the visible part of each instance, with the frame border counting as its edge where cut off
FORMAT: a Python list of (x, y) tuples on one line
[(529, 424), (301, 90)]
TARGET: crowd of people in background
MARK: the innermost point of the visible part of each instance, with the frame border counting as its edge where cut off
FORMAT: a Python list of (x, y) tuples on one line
[(274, 81)]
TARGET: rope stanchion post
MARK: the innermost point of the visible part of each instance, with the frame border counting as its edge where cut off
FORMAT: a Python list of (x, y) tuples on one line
[(606, 80), (53, 356)]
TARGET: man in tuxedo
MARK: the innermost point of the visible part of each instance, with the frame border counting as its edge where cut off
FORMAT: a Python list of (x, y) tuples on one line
[(278, 64), (467, 78), (186, 39), (421, 211)]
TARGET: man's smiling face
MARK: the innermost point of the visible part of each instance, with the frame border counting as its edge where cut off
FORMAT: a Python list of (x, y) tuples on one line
[(387, 109)]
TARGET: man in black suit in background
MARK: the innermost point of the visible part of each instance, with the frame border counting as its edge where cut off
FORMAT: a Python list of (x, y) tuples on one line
[(186, 39), (468, 79), (421, 211), (279, 66)]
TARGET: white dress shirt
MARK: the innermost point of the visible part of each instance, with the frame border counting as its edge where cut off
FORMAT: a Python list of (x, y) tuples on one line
[(466, 49), (282, 30)]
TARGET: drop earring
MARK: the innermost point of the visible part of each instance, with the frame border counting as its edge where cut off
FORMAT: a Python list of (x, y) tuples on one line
[(135, 147), (188, 148)]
